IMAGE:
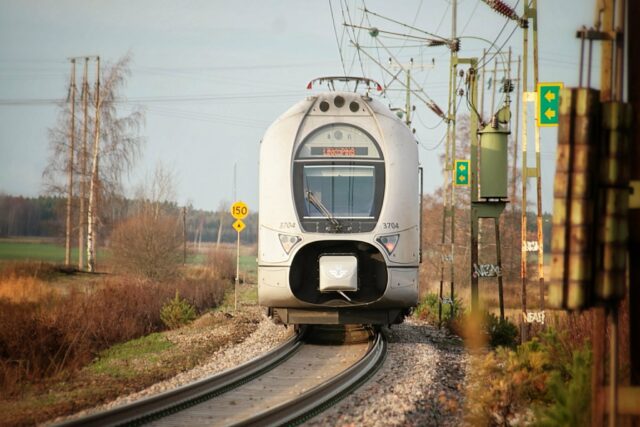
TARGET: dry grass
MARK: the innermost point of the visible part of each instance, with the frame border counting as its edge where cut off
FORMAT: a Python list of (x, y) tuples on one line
[(44, 333), (25, 289)]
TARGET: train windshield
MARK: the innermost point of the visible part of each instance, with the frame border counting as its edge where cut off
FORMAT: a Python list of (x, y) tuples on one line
[(338, 180), (345, 191)]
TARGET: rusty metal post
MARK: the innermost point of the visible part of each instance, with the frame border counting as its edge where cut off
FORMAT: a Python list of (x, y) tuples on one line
[(499, 264), (473, 180), (524, 332), (534, 7), (597, 373)]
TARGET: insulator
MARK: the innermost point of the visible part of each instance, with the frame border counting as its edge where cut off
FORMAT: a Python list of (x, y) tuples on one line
[(506, 10), (433, 42), (454, 45), (461, 92), (507, 86), (434, 107)]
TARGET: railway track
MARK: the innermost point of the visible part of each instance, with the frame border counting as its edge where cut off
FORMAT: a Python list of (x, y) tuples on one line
[(290, 384)]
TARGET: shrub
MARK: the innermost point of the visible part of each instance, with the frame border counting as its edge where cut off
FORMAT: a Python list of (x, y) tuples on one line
[(177, 312), (500, 332), (222, 262), (570, 396), (428, 309), (148, 245), (541, 380)]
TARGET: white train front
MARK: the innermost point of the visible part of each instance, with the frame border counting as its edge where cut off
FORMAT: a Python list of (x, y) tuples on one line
[(339, 228)]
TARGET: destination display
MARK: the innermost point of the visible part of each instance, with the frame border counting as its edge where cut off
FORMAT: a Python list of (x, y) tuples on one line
[(339, 140), (340, 151)]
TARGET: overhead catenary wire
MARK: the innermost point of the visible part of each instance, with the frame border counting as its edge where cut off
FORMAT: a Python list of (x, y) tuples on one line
[(428, 101), (473, 12), (355, 36), (335, 32), (406, 25), (482, 62)]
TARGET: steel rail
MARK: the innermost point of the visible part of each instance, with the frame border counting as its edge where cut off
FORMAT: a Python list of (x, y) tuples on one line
[(175, 400), (327, 394)]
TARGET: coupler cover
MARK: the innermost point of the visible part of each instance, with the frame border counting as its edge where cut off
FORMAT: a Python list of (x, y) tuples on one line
[(338, 273)]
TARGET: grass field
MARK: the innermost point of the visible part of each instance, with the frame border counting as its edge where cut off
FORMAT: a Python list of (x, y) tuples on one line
[(33, 250), (49, 251)]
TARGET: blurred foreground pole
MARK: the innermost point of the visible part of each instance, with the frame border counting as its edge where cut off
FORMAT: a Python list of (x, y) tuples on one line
[(634, 205)]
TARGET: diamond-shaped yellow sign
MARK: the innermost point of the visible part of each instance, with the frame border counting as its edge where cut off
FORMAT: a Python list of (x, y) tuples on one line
[(238, 226)]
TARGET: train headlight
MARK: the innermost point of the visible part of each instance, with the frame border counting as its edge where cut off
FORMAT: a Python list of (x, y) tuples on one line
[(389, 242), (288, 241)]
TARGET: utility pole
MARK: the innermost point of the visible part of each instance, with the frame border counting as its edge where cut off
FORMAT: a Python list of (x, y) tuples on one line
[(235, 180), (184, 235), (72, 136), (449, 214), (83, 164), (91, 211), (531, 15), (408, 99)]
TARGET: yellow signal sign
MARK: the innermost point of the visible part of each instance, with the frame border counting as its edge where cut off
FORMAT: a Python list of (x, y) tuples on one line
[(238, 225), (239, 210)]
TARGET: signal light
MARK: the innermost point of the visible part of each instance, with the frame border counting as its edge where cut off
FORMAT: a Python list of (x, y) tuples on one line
[(288, 241), (389, 242)]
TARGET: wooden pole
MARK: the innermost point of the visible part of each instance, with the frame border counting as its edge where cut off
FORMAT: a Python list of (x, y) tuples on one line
[(91, 210), (83, 165), (70, 165)]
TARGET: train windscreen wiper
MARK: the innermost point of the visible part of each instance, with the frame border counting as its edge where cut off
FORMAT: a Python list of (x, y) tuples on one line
[(323, 210)]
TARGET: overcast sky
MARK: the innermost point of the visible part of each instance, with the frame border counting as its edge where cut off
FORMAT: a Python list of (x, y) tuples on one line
[(212, 75)]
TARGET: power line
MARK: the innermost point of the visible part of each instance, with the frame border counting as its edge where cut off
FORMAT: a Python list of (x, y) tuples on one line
[(161, 99)]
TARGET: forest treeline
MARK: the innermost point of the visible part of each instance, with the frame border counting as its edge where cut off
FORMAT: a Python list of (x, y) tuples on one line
[(44, 216)]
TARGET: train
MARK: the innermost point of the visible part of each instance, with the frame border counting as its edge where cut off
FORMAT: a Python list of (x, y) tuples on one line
[(340, 198)]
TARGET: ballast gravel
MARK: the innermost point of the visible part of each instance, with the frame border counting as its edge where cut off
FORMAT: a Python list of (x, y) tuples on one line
[(420, 384), (266, 337)]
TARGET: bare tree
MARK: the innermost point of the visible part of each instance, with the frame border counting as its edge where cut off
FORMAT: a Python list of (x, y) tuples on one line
[(115, 147), (223, 210), (148, 244), (72, 137)]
